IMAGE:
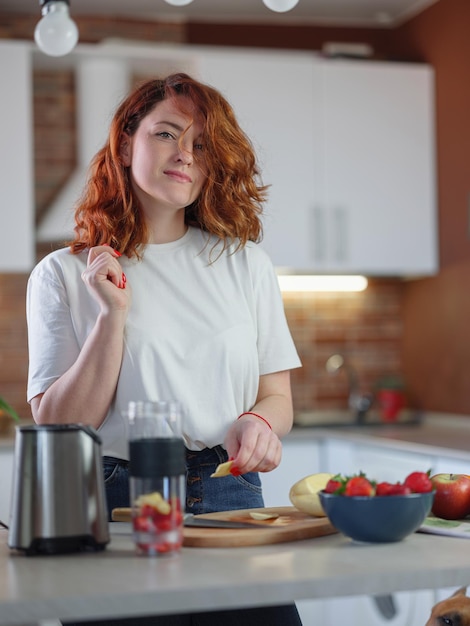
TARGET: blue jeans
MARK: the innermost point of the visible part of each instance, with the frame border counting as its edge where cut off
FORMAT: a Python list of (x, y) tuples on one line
[(203, 495)]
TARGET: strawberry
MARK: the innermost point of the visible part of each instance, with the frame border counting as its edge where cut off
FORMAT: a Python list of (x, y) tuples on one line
[(383, 489), (142, 524), (334, 484), (147, 511), (419, 482), (359, 486), (399, 490)]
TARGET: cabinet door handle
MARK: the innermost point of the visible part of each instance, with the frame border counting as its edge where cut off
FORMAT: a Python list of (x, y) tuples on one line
[(341, 234), (386, 606), (318, 235)]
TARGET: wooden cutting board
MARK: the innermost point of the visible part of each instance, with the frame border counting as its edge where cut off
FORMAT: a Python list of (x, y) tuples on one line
[(290, 525)]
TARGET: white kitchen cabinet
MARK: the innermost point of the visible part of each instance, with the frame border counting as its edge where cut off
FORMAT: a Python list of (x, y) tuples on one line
[(398, 609), (345, 146), (6, 473), (300, 458), (17, 252), (378, 462), (376, 210), (450, 465), (274, 97), (348, 149)]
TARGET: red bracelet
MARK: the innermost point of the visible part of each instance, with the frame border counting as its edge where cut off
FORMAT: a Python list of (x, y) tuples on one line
[(256, 415)]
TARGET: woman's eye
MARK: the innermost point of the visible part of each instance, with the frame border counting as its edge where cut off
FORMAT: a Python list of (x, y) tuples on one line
[(165, 134), (198, 146)]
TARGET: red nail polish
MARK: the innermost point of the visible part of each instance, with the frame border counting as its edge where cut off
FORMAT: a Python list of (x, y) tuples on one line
[(124, 279)]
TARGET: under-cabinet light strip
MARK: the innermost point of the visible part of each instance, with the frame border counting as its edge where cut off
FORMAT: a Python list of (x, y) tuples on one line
[(303, 282)]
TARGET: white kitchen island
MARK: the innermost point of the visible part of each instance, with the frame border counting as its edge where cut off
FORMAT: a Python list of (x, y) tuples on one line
[(118, 583), (329, 577)]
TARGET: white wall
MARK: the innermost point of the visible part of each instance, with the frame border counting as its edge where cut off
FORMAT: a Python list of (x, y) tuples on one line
[(17, 247)]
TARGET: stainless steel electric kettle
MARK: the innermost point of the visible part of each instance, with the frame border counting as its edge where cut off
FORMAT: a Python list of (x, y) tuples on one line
[(58, 498)]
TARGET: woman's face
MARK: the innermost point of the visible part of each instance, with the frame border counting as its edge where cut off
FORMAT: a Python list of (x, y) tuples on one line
[(166, 158)]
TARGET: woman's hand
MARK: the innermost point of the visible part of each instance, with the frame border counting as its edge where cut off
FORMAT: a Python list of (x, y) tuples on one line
[(105, 279), (254, 443), (253, 446)]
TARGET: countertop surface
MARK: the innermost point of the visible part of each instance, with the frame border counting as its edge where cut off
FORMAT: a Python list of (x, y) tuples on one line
[(435, 434), (117, 582)]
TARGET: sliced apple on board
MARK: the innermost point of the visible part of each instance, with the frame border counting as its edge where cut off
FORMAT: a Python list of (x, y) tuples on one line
[(304, 493)]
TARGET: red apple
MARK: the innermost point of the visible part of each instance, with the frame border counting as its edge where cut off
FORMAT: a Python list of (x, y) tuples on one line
[(452, 498)]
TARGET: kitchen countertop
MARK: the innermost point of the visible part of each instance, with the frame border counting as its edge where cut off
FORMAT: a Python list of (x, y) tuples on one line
[(435, 434), (117, 582)]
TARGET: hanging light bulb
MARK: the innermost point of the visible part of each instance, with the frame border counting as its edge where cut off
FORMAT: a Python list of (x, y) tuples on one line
[(280, 6), (55, 34), (178, 3)]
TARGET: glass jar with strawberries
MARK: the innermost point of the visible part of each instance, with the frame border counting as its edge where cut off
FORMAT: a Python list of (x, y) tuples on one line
[(157, 477)]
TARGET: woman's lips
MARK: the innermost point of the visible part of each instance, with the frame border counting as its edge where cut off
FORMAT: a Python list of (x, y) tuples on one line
[(177, 175)]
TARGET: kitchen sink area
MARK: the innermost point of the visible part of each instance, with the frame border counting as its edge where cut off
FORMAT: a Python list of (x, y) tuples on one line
[(349, 419)]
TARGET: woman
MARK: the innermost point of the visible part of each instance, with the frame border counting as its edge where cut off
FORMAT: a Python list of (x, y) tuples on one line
[(164, 294)]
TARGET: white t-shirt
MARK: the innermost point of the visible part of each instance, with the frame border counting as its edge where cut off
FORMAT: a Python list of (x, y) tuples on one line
[(198, 332)]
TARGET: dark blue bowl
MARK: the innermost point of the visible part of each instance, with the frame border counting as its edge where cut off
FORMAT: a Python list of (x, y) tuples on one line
[(379, 519)]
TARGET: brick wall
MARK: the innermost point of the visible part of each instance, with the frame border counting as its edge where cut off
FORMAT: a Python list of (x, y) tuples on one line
[(366, 327), (55, 140), (13, 341)]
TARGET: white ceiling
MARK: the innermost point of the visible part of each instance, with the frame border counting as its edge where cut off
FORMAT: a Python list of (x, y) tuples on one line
[(345, 12)]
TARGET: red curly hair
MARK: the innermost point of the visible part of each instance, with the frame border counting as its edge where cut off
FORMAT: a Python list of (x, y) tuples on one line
[(230, 203)]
